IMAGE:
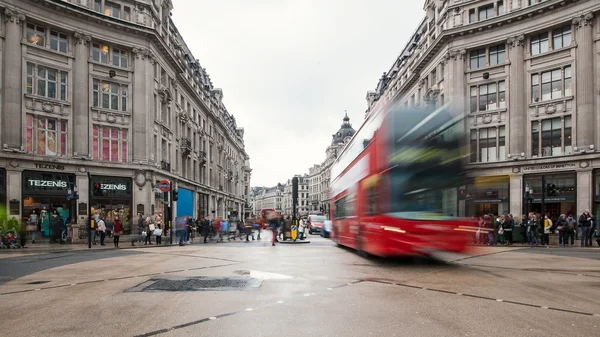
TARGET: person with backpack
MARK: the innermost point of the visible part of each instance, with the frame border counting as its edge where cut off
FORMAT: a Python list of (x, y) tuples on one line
[(570, 230), (532, 225)]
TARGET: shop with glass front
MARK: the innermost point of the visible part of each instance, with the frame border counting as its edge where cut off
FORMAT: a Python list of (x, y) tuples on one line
[(2, 187), (44, 193), (560, 198), (487, 195), (111, 197)]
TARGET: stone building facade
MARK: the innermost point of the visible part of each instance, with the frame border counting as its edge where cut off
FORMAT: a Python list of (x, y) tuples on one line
[(303, 206), (525, 73), (104, 99)]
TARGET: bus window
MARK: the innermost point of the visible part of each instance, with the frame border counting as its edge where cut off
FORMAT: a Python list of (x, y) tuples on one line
[(340, 209), (371, 209)]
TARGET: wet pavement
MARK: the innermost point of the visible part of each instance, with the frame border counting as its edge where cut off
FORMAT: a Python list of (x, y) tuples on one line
[(315, 289)]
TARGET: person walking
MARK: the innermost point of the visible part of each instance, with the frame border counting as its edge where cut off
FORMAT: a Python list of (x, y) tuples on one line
[(118, 231), (273, 224), (585, 222), (101, 228), (571, 228), (206, 229), (56, 224), (147, 231), (188, 229), (592, 229)]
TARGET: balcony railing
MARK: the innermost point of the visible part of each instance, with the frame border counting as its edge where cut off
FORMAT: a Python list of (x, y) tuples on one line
[(202, 156), (164, 165), (186, 146)]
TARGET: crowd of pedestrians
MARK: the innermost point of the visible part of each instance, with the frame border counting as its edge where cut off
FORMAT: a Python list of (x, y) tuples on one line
[(494, 230)]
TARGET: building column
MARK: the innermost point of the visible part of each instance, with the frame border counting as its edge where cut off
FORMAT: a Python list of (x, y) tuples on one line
[(142, 112), (81, 96), (584, 190), (517, 98), (12, 83), (14, 188), (584, 92), (455, 79), (516, 195)]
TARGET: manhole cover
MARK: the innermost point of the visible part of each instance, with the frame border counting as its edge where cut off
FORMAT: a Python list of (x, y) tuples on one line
[(38, 282), (198, 284)]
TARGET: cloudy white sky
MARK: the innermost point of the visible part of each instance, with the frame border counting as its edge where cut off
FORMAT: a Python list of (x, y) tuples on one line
[(289, 68)]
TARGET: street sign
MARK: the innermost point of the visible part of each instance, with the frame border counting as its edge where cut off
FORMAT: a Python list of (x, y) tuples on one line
[(164, 186), (294, 232)]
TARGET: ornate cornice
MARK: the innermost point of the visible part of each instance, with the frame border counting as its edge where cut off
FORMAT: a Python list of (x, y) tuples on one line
[(584, 20), (14, 16), (82, 38), (516, 41), (144, 53), (455, 54)]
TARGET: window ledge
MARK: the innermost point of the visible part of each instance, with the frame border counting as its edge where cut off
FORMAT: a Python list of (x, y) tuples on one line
[(109, 65), (25, 43), (488, 67), (45, 99), (110, 111), (477, 113), (551, 52), (551, 101)]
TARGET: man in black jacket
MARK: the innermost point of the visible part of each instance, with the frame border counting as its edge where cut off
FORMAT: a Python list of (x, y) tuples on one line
[(56, 224), (585, 222)]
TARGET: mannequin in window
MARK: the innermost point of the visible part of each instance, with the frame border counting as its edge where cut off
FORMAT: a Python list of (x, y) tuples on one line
[(45, 221), (32, 225)]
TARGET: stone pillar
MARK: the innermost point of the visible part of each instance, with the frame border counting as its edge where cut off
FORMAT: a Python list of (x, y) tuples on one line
[(142, 113), (584, 191), (12, 82), (81, 95), (584, 94), (517, 97), (516, 195), (454, 79), (13, 186)]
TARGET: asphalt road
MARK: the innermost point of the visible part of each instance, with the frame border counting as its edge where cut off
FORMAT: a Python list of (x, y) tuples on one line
[(314, 289)]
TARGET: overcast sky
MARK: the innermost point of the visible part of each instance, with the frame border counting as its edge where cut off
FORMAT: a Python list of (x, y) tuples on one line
[(289, 68)]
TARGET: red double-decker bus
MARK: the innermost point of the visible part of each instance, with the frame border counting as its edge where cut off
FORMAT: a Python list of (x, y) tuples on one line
[(395, 185)]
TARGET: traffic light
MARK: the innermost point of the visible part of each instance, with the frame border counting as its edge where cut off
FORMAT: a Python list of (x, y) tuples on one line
[(295, 190), (175, 195)]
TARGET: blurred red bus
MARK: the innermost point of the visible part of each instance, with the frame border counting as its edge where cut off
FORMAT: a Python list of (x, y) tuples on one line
[(395, 184), (263, 216)]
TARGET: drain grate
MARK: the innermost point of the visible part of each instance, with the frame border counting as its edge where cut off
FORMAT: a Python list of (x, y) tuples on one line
[(38, 282), (198, 284)]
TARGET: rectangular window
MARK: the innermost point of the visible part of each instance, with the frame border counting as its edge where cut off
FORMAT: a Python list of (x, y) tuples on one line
[(568, 82), (109, 144), (434, 77), (486, 12), (535, 88), (539, 44), (497, 55), (478, 58), (127, 13), (500, 7), (100, 52), (98, 5), (501, 95), (561, 37), (58, 41), (471, 15), (488, 97), (473, 146), (535, 138), (487, 145), (112, 9), (109, 95), (46, 82), (120, 58), (36, 35), (501, 143), (551, 137), (551, 85), (49, 136), (473, 99), (568, 140)]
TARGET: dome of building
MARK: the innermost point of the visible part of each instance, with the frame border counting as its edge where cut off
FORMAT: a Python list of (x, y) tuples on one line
[(344, 133)]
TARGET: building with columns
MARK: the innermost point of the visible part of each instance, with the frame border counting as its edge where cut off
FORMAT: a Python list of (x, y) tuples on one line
[(106, 100), (525, 74), (303, 196)]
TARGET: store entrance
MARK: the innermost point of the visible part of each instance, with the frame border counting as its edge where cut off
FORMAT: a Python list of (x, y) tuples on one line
[(555, 209)]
